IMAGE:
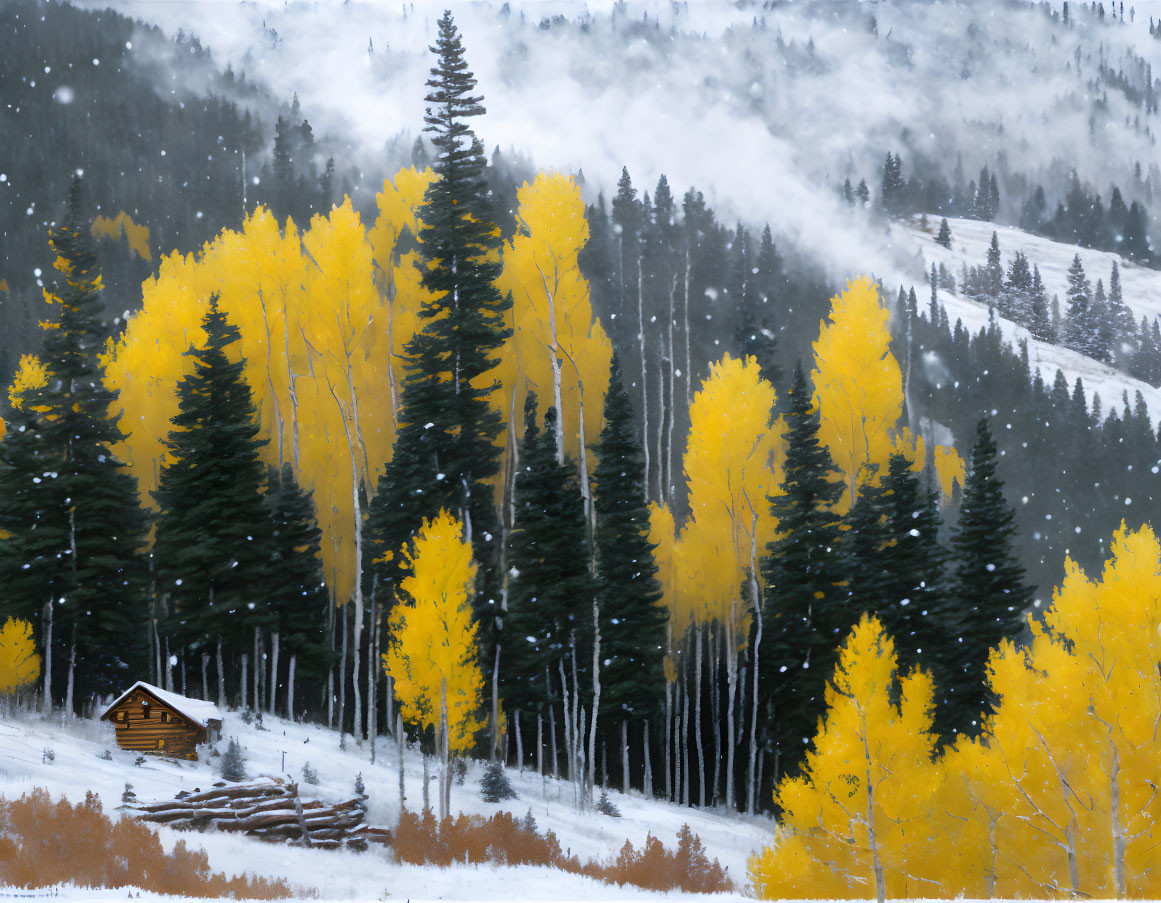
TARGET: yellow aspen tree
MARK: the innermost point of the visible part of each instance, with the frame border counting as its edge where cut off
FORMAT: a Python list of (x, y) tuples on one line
[(731, 469), (397, 275), (557, 348), (433, 656), (19, 660), (856, 821), (858, 387)]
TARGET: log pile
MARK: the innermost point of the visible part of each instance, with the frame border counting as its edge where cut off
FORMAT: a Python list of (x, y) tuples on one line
[(270, 809)]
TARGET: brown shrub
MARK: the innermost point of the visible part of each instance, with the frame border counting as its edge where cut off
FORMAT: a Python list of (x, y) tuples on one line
[(43, 843), (503, 840)]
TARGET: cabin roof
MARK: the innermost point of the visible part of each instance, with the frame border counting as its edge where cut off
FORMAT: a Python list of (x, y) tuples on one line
[(199, 711)]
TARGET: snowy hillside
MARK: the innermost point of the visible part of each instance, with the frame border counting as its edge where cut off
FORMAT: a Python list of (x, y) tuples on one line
[(970, 241), (78, 766)]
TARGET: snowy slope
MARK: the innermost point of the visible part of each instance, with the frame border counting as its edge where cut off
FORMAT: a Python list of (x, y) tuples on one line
[(78, 766), (970, 240)]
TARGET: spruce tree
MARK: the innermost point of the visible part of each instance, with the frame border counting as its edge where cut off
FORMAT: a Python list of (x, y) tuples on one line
[(944, 236), (71, 513), (551, 588), (1040, 315), (296, 596), (988, 584), (632, 622), (213, 545), (1080, 330), (806, 611), (446, 448)]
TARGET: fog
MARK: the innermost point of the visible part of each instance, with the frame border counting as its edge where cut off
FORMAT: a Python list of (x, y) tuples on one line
[(766, 110)]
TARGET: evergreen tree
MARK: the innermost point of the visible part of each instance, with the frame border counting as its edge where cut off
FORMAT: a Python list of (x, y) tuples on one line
[(296, 596), (632, 622), (892, 185), (863, 193), (551, 589), (494, 786), (944, 236), (988, 584), (70, 513), (1081, 332), (1121, 317), (994, 271), (1016, 298), (213, 545), (1039, 315), (446, 447), (233, 764), (754, 333), (805, 612)]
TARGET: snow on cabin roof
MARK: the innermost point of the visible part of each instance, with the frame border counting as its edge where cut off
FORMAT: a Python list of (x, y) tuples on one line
[(198, 711)]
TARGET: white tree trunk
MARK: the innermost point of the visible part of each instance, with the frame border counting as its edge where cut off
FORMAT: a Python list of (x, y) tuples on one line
[(625, 757), (648, 780), (445, 778), (1117, 829), (244, 689), (540, 747), (343, 683), (221, 676), (668, 735), (272, 684), (697, 719), (554, 360), (401, 743), (671, 484), (716, 714), (290, 687), (756, 598), (205, 679), (644, 374), (570, 759), (372, 677), (661, 493), (519, 744), (68, 706), (258, 669), (686, 763), (552, 732), (592, 755), (731, 726), (495, 704), (685, 329)]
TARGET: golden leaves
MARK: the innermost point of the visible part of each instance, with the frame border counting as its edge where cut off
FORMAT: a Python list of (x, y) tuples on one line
[(19, 660)]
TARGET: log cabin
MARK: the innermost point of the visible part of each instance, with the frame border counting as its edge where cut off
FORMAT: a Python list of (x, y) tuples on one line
[(148, 719)]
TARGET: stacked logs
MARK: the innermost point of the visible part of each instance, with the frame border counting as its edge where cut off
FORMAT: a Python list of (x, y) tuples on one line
[(270, 809)]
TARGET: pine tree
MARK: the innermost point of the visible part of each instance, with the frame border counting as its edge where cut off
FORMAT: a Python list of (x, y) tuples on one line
[(805, 611), (233, 763), (988, 585), (994, 271), (754, 334), (1016, 298), (1119, 313), (446, 446), (632, 622), (944, 236), (71, 514), (213, 545), (494, 786), (1080, 333), (1040, 316), (296, 596), (551, 589)]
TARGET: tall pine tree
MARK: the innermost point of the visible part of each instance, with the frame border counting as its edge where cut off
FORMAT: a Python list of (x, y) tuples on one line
[(806, 611), (213, 545), (446, 447), (71, 514), (988, 584)]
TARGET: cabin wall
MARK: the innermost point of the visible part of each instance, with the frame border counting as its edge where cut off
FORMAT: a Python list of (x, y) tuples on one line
[(163, 731)]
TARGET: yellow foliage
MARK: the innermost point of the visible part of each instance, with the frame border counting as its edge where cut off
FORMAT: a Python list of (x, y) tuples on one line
[(112, 228), (319, 331), (30, 375), (732, 465), (3, 285), (19, 660), (859, 814), (434, 647), (554, 333), (859, 390)]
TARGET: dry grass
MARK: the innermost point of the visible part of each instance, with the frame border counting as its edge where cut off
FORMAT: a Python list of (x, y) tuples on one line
[(43, 843), (503, 840)]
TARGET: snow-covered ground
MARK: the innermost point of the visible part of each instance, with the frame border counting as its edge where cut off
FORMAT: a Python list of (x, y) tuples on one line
[(78, 766), (970, 241)]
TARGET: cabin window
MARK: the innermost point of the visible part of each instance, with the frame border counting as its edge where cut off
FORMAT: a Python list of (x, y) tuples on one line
[(121, 715), (144, 709), (165, 717)]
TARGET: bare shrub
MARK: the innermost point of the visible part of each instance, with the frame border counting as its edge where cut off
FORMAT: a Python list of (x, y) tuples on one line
[(43, 843), (504, 839)]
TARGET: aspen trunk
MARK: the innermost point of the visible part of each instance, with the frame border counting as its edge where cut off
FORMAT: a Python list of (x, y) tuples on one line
[(272, 696), (578, 724), (755, 595), (257, 670), (244, 688), (596, 695), (343, 683), (540, 746), (495, 702), (552, 733), (648, 779), (697, 719), (644, 374), (400, 740), (205, 679), (716, 714), (668, 736), (426, 779), (661, 417), (68, 706), (445, 778), (625, 757), (221, 676), (372, 674), (731, 726), (169, 670), (568, 725), (685, 329), (290, 687), (519, 743), (1118, 830), (554, 361), (678, 739), (331, 670), (685, 744)]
